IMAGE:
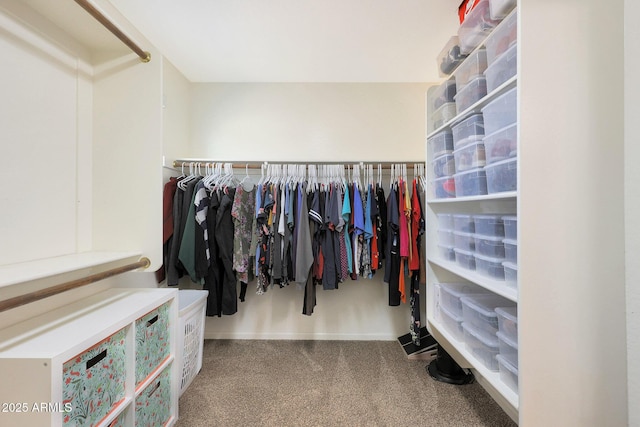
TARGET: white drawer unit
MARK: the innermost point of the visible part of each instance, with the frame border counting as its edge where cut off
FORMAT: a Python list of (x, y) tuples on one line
[(87, 363)]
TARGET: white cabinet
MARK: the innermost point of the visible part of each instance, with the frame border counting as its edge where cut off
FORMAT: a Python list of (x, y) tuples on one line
[(461, 255), (108, 359)]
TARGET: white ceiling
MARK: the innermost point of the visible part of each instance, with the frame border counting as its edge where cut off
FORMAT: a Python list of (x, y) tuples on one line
[(291, 40)]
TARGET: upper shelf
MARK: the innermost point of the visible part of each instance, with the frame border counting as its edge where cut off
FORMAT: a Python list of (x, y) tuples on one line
[(13, 274)]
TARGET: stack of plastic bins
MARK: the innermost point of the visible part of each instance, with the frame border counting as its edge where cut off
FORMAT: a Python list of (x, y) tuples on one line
[(477, 25), (490, 253), (451, 306), (511, 250), (508, 346), (192, 309), (502, 53), (445, 237), (443, 165), (463, 228)]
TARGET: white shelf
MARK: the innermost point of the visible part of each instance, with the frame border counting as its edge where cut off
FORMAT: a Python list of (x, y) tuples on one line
[(496, 286), (494, 196), (491, 377), (13, 274)]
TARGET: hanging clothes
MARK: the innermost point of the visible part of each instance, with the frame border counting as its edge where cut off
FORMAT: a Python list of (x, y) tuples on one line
[(242, 214)]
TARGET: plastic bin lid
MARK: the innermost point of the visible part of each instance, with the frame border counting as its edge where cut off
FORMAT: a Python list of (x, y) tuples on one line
[(502, 162), (510, 242), (462, 233), (445, 246), (489, 258), (447, 313), (461, 289), (479, 171), (489, 341), (510, 265), (491, 238), (504, 129), (467, 147), (510, 218), (488, 216), (462, 216), (510, 313), (486, 304), (504, 362), (463, 252), (506, 339)]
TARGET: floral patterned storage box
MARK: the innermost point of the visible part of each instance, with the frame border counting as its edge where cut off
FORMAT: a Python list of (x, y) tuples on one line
[(153, 404), (94, 381), (152, 341)]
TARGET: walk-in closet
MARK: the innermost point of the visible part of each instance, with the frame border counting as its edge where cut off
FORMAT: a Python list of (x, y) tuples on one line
[(319, 213)]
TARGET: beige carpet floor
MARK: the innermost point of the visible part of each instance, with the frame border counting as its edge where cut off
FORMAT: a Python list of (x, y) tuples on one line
[(326, 383)]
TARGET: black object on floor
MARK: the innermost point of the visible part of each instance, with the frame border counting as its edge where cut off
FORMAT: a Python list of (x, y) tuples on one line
[(444, 369), (425, 351)]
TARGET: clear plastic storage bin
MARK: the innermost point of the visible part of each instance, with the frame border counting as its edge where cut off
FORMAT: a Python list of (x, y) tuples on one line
[(502, 38), (441, 143), (452, 323), (501, 8), (443, 94), (450, 294), (476, 27), (465, 259), (473, 92), (463, 223), (508, 348), (445, 237), (490, 267), (450, 57), (444, 188), (511, 250), (511, 274), (508, 373), (508, 322), (482, 347), (490, 225), (502, 144), (444, 166), (469, 130), (471, 183), (463, 241), (501, 112), (489, 246), (472, 67), (447, 253), (445, 221), (510, 226), (470, 156), (501, 176), (502, 69), (443, 115), (480, 311)]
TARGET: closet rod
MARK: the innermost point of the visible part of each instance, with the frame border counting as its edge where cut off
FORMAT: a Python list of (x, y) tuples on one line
[(73, 284), (100, 17), (256, 165)]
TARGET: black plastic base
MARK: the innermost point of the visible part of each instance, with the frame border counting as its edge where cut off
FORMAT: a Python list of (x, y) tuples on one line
[(446, 370)]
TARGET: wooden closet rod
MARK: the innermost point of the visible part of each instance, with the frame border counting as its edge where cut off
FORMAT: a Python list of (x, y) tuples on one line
[(256, 165), (73, 284), (91, 9)]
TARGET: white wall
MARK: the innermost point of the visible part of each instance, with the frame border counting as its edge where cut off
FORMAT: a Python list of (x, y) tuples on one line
[(632, 205), (307, 122)]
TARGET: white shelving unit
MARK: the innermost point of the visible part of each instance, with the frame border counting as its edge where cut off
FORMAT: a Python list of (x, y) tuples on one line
[(440, 270), (104, 359)]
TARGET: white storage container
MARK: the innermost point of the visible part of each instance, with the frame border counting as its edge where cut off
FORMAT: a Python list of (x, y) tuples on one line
[(510, 226), (450, 294), (508, 373), (443, 94), (192, 309), (501, 112), (473, 92), (452, 323), (470, 156), (469, 130), (479, 311), (465, 259), (449, 57), (476, 27), (472, 67), (463, 241), (502, 144), (445, 237), (482, 347), (445, 221), (511, 250), (443, 188), (471, 183), (502, 69), (502, 176), (441, 143), (443, 115), (490, 267), (502, 38), (444, 166), (508, 322), (447, 253), (463, 223), (489, 246), (510, 274), (508, 348), (490, 225)]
